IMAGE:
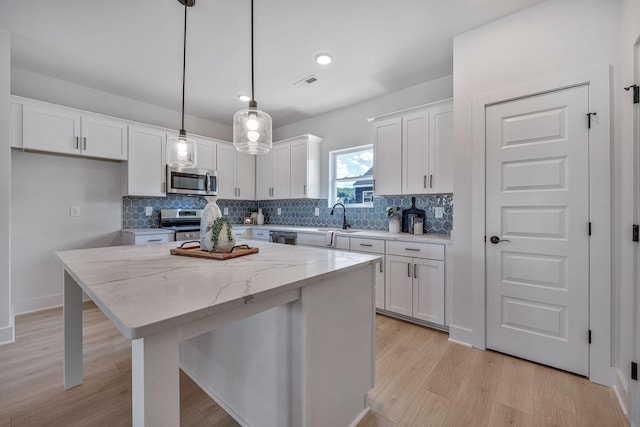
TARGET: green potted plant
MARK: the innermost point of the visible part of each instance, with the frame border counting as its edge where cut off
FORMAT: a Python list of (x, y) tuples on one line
[(393, 213)]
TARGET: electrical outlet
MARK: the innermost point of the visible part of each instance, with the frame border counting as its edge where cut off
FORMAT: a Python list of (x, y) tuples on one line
[(279, 211), (439, 211), (148, 211), (225, 211), (316, 212), (74, 210)]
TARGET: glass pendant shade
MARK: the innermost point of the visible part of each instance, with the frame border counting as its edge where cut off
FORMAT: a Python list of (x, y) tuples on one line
[(252, 131), (182, 151)]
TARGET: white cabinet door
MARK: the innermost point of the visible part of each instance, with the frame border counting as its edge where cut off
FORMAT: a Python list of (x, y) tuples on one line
[(103, 137), (281, 188), (226, 155), (441, 142), (399, 284), (299, 168), (264, 176), (380, 290), (207, 155), (428, 290), (245, 176), (415, 153), (146, 168), (387, 147), (51, 129)]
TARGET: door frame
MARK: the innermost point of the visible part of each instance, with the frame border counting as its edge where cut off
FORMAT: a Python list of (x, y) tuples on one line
[(598, 79)]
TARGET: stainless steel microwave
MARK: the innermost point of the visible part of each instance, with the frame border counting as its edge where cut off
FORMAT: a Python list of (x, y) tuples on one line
[(201, 182)]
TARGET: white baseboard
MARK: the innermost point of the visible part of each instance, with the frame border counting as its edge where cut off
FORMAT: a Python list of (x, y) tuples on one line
[(461, 336), (7, 335), (360, 417), (37, 304), (620, 388)]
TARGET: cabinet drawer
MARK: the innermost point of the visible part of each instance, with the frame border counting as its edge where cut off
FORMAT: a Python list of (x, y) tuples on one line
[(153, 238), (260, 234), (416, 250), (318, 240), (375, 246)]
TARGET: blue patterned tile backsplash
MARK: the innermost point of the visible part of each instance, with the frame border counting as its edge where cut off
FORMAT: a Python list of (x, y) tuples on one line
[(295, 212)]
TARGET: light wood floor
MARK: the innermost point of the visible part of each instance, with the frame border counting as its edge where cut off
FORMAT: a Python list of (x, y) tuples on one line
[(421, 380)]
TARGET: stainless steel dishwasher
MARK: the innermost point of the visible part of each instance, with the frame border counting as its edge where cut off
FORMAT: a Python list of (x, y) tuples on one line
[(285, 237)]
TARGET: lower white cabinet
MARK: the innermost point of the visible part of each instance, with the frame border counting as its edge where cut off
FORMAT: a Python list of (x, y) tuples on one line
[(260, 234), (146, 236), (320, 241), (415, 284), (373, 246)]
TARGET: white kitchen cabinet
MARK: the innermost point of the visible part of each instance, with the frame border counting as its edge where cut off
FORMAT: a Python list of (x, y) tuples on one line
[(387, 156), (373, 246), (145, 236), (414, 280), (144, 174), (412, 151), (305, 167), (51, 128), (260, 234), (319, 240), (273, 173), (207, 152), (236, 173)]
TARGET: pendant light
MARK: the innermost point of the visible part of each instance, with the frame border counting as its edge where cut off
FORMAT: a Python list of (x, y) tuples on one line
[(182, 151), (251, 126)]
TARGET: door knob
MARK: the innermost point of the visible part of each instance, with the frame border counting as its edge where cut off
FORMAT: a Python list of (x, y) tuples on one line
[(495, 240)]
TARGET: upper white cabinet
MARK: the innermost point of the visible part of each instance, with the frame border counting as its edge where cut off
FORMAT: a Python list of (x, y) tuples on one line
[(412, 151), (144, 174), (236, 173), (273, 174), (207, 152), (48, 127), (291, 170)]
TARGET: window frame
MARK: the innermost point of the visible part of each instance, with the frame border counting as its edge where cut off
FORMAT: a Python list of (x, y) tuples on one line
[(333, 181)]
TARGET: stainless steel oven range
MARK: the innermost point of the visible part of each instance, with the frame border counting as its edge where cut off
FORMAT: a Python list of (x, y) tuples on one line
[(185, 222)]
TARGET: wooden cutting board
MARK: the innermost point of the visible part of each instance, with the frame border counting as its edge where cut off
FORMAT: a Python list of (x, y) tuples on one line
[(196, 252)]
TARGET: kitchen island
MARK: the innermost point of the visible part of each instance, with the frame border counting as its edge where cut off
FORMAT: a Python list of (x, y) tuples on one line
[(284, 337)]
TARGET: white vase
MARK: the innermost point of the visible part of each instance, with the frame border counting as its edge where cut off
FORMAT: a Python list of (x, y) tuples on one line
[(210, 213), (260, 217), (394, 225)]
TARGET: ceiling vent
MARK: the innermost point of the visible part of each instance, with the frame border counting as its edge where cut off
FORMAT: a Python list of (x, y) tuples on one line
[(309, 80)]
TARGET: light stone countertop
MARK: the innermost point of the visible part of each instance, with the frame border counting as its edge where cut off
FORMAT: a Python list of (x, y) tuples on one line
[(144, 289), (142, 231), (444, 239)]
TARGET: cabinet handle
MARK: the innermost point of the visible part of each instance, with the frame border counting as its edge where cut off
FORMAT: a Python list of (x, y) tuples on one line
[(381, 267), (238, 191), (77, 143), (84, 143), (412, 249), (374, 184), (367, 245), (424, 182), (415, 271), (163, 188), (409, 269), (154, 240), (430, 181), (305, 190)]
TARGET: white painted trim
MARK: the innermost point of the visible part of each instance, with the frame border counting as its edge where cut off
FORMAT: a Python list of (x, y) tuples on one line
[(461, 336), (621, 391), (598, 78), (360, 417), (37, 304), (7, 335)]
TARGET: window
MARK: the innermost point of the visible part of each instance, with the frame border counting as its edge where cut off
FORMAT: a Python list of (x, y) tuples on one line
[(351, 177)]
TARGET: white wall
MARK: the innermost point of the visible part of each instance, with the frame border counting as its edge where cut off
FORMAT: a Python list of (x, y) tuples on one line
[(44, 88), (6, 316), (348, 127), (545, 40)]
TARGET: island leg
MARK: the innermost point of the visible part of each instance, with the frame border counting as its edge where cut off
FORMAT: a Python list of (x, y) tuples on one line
[(156, 380), (72, 307)]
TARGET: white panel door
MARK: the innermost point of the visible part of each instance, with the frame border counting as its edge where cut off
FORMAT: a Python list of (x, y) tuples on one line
[(246, 176), (538, 202), (428, 290), (299, 169), (206, 158), (104, 138), (440, 178), (387, 149), (264, 176), (226, 164), (281, 171), (415, 153), (146, 167), (51, 129), (399, 284)]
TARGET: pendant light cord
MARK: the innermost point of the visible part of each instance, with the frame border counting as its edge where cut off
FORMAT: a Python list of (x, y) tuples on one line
[(184, 61), (252, 93)]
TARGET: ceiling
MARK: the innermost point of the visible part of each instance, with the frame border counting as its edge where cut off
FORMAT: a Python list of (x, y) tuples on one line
[(133, 48)]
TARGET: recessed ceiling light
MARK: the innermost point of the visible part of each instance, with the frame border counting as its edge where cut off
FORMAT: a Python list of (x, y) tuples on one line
[(324, 58), (244, 98)]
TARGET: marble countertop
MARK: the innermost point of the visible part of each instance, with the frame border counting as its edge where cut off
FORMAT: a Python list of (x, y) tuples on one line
[(444, 239), (142, 231), (144, 289)]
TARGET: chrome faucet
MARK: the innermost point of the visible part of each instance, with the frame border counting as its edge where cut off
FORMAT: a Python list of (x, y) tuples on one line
[(344, 215)]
